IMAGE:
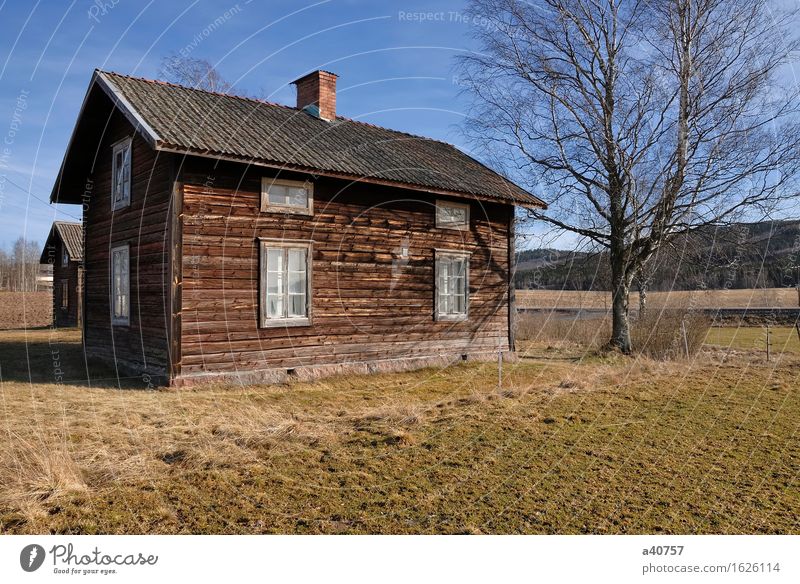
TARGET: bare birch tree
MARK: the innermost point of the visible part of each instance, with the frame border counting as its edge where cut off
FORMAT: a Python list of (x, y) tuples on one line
[(197, 73), (638, 121)]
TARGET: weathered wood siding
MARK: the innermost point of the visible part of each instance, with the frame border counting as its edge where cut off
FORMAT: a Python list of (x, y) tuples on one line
[(367, 304), (140, 348), (70, 316)]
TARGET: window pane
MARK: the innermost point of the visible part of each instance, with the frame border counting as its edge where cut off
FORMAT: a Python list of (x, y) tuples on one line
[(126, 173), (460, 267), (298, 197), (297, 305), (297, 260), (458, 306), (274, 306), (452, 214), (117, 272), (442, 308), (275, 259), (292, 196), (444, 271), (117, 185), (297, 282), (444, 268), (119, 283), (277, 195), (274, 283), (125, 281)]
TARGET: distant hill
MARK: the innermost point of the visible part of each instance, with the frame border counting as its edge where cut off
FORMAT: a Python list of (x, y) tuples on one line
[(745, 255)]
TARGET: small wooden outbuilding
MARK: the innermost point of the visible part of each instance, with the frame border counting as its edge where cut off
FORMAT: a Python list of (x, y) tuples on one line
[(64, 251)]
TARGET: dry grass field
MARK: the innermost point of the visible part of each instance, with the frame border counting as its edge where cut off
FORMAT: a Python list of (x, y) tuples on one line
[(19, 310), (755, 298), (574, 442)]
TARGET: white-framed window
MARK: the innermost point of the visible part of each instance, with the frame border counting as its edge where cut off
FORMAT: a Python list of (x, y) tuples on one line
[(287, 196), (64, 294), (285, 291), (452, 285), (64, 256), (451, 215), (121, 174), (120, 285)]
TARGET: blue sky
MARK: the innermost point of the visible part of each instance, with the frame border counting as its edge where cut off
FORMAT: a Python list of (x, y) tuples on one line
[(394, 61)]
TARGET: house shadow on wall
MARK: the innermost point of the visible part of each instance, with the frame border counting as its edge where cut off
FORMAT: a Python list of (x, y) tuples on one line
[(49, 356)]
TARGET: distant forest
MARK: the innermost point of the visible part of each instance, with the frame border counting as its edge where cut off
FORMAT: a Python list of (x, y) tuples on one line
[(19, 266), (745, 255)]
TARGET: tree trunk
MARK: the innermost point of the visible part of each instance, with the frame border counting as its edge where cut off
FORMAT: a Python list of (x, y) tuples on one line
[(642, 284), (620, 286), (642, 299)]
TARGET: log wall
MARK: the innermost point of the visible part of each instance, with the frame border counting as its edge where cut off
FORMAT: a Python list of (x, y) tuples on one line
[(142, 347), (70, 316), (368, 304)]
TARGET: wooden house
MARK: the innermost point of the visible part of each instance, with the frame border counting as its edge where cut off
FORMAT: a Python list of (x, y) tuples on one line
[(229, 237), (64, 251)]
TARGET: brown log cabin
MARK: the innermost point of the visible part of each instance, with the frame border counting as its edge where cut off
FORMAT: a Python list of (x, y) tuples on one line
[(232, 238), (64, 251)]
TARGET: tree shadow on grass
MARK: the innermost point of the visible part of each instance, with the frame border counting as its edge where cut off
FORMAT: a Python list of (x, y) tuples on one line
[(56, 356)]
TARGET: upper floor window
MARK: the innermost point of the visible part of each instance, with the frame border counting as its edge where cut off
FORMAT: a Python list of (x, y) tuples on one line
[(121, 174), (285, 296), (64, 256), (287, 196), (120, 285), (452, 285), (451, 215)]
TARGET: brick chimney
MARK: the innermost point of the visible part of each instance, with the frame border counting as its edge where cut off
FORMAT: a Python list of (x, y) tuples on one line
[(316, 93)]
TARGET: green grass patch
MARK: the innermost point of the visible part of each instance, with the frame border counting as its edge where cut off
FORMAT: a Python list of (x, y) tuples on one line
[(783, 339)]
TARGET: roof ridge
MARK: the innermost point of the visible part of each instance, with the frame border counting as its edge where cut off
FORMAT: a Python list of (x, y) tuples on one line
[(419, 137), (190, 88)]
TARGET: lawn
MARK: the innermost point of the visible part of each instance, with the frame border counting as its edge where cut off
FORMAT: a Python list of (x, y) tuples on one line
[(572, 443), (782, 338), (733, 298)]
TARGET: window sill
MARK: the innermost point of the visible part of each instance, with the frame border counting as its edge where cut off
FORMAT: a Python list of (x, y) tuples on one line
[(285, 322), (121, 323), (452, 317), (452, 227), (276, 209), (120, 206)]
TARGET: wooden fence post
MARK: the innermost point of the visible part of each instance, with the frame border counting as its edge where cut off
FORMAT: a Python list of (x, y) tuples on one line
[(769, 356), (685, 339), (499, 369)]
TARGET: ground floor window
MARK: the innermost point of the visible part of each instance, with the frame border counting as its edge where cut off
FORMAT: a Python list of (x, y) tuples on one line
[(120, 285), (64, 294), (452, 285), (285, 290)]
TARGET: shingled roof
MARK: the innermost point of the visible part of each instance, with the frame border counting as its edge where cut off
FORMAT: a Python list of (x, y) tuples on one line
[(185, 120), (71, 234)]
